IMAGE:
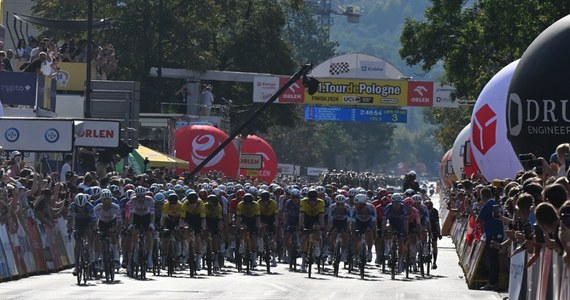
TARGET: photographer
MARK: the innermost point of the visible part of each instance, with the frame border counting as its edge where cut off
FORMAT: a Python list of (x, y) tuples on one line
[(410, 182)]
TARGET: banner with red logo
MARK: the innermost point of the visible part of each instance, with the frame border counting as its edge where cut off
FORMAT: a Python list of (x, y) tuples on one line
[(195, 143), (256, 145), (98, 134), (420, 93)]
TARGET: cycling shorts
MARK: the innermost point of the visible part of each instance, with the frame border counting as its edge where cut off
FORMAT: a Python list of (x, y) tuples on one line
[(82, 224), (170, 224), (194, 222), (310, 221), (212, 225), (105, 226), (340, 225), (250, 223), (141, 222), (363, 226), (269, 221)]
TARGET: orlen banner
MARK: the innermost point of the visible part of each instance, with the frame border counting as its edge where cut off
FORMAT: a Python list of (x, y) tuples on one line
[(100, 134), (538, 113), (493, 153), (265, 87), (458, 153), (256, 145), (194, 143), (359, 92)]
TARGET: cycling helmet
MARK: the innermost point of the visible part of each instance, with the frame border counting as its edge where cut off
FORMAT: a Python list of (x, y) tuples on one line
[(408, 201), (81, 199), (203, 194), (192, 197), (180, 182), (106, 194), (87, 191), (320, 189), (114, 188), (360, 199), (295, 193), (188, 191), (169, 185), (344, 193), (129, 194), (207, 187), (173, 198), (396, 198), (253, 190), (140, 190), (429, 204), (218, 191), (312, 194), (412, 174), (304, 190), (238, 186), (159, 197), (278, 191), (129, 187), (265, 195), (340, 199), (240, 193), (169, 192), (213, 199), (248, 198), (149, 193), (352, 192), (417, 198), (178, 187), (382, 192), (185, 188), (409, 193), (264, 187), (153, 188), (222, 187), (230, 188), (369, 194)]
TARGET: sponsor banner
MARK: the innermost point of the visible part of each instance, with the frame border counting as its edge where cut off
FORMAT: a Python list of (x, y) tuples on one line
[(100, 134), (286, 169), (252, 173), (381, 115), (41, 135), (442, 96), (294, 94), (71, 76), (420, 93), (313, 171), (251, 161), (265, 87), (359, 92), (370, 66), (18, 88)]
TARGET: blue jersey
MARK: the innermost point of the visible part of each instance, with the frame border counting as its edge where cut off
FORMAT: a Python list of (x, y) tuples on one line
[(363, 213), (86, 212), (396, 219)]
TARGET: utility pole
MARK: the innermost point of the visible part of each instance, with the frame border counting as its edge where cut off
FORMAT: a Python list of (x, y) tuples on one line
[(87, 107)]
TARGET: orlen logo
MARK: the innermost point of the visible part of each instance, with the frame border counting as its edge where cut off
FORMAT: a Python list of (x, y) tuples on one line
[(265, 159), (202, 146), (484, 129), (514, 114)]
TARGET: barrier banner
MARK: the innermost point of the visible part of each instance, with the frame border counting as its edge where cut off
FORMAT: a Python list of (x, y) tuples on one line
[(18, 88), (557, 264), (67, 241), (516, 276), (37, 249), (12, 266), (51, 238), (545, 275), (4, 268), (46, 248), (565, 283), (17, 247), (26, 247)]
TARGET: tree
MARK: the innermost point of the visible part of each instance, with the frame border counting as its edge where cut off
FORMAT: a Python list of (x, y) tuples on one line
[(474, 39)]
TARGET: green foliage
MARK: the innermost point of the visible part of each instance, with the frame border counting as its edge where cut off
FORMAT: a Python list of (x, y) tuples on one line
[(475, 40)]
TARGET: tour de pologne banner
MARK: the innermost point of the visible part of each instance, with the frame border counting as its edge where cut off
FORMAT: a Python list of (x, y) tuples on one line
[(352, 92)]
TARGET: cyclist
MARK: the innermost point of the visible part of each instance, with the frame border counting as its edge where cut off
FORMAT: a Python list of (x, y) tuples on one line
[(170, 219), (194, 216), (248, 215), (232, 218), (339, 213), (269, 219), (397, 215), (214, 220), (435, 230), (81, 219), (414, 226), (363, 215), (311, 216), (125, 234), (380, 205), (290, 216), (141, 218), (108, 216)]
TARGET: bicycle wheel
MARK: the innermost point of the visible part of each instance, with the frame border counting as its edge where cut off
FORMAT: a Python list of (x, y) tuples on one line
[(142, 258), (421, 258), (393, 260), (267, 253), (191, 259), (79, 265), (209, 261), (155, 258), (362, 262), (337, 255), (407, 263)]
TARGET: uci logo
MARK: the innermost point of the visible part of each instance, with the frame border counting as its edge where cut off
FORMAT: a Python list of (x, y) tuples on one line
[(514, 114)]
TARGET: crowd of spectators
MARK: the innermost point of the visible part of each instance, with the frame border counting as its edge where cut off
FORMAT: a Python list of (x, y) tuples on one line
[(531, 211), (44, 56), (366, 180)]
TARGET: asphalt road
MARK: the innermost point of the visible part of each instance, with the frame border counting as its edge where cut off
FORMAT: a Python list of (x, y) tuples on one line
[(447, 282)]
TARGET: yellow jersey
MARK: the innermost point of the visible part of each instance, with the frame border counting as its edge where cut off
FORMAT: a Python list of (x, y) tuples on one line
[(248, 211), (198, 210), (172, 211), (312, 210), (268, 208), (213, 212)]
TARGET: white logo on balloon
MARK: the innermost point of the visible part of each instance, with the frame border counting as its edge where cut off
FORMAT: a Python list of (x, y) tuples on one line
[(205, 143), (500, 160)]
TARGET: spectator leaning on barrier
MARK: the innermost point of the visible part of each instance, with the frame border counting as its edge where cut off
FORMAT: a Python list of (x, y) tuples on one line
[(490, 218)]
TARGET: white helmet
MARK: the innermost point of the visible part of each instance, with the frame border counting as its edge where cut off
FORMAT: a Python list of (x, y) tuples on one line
[(340, 198), (296, 193), (106, 194), (361, 198), (217, 192), (321, 189), (352, 192), (81, 199)]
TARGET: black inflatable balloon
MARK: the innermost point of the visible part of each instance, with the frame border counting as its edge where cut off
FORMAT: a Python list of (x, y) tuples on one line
[(538, 112)]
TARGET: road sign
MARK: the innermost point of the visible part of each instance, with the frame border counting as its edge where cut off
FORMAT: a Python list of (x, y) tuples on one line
[(381, 115)]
